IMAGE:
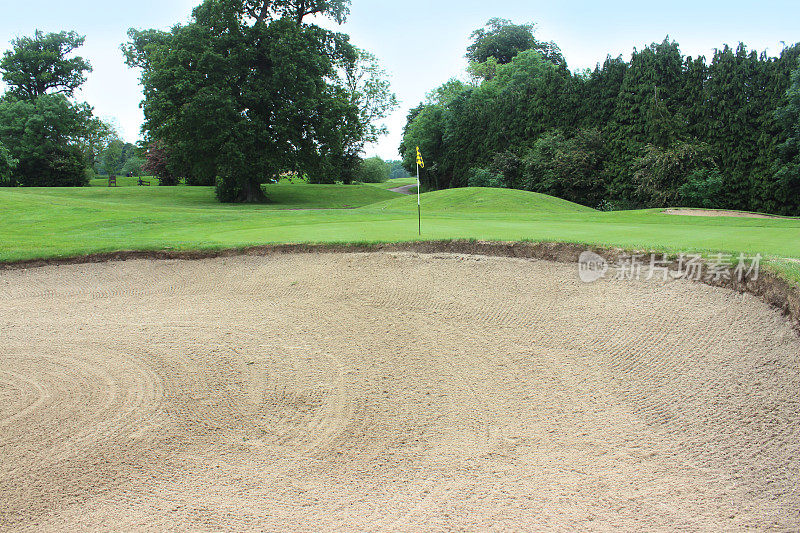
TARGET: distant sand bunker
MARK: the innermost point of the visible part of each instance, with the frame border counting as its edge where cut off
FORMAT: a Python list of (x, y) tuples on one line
[(390, 391), (717, 213)]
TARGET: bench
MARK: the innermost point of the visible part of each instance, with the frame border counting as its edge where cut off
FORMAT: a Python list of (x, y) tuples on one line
[(112, 181), (143, 183)]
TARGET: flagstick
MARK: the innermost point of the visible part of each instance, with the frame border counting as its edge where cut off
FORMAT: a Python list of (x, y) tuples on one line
[(419, 206)]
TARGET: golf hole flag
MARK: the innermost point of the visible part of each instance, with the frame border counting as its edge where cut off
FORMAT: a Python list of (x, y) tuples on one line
[(420, 164)]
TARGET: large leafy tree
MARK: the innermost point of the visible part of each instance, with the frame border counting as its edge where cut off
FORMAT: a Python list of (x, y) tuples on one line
[(40, 65), (526, 98), (49, 137), (248, 90), (370, 92), (661, 173), (503, 40), (115, 154), (425, 128), (113, 157), (298, 10)]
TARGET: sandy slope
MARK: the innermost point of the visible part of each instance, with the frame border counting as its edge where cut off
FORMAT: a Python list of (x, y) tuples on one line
[(717, 213), (390, 392), (405, 189)]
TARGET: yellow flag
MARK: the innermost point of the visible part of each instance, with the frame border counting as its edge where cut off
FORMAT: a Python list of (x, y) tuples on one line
[(420, 162)]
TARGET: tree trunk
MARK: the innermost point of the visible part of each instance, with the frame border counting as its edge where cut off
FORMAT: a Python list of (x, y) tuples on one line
[(252, 193)]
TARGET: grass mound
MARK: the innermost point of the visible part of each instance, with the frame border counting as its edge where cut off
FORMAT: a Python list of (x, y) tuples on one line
[(485, 200)]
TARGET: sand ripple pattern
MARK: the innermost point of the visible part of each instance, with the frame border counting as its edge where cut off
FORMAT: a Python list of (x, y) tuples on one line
[(390, 392)]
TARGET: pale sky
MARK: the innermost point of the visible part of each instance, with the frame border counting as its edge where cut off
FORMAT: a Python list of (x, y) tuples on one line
[(420, 43)]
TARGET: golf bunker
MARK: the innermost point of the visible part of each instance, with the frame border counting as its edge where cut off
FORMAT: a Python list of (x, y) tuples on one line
[(390, 391)]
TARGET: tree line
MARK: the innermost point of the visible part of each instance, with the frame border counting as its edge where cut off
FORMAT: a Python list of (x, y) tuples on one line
[(47, 139), (661, 129)]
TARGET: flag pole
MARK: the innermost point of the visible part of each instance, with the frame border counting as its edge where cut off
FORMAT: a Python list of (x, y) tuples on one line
[(419, 205)]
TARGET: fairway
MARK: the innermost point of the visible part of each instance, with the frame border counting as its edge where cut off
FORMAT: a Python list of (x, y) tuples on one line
[(50, 222), (390, 391)]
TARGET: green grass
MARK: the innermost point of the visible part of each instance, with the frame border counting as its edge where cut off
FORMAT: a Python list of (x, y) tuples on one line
[(48, 222), (282, 196), (476, 200)]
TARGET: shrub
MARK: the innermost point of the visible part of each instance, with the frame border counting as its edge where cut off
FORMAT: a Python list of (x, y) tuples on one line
[(567, 167), (482, 177), (704, 188), (508, 165), (373, 170), (228, 190), (661, 172), (63, 167)]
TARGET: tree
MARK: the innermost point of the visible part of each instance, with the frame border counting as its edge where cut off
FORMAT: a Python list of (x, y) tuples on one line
[(373, 170), (526, 98), (298, 10), (426, 131), (244, 93), (786, 186), (113, 157), (370, 92), (133, 166), (7, 166), (396, 170), (98, 135), (157, 163), (485, 71), (648, 111), (734, 118), (503, 40), (599, 91), (49, 137), (39, 65)]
